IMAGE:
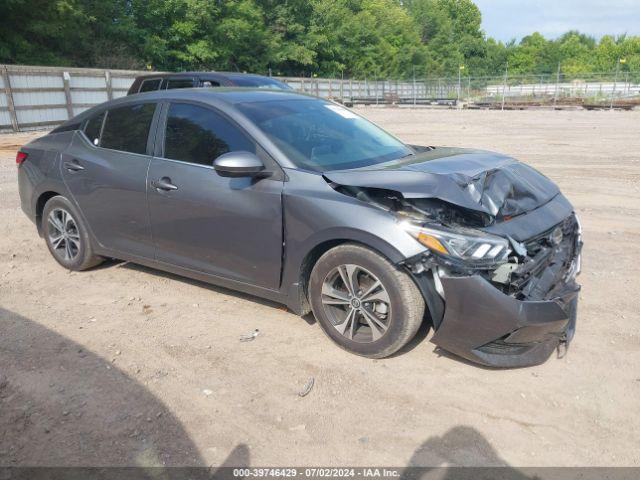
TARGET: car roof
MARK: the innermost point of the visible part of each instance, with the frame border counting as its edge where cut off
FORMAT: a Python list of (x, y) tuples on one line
[(213, 96), (229, 95), (204, 75)]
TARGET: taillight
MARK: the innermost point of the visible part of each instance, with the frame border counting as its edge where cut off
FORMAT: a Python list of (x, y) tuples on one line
[(21, 157)]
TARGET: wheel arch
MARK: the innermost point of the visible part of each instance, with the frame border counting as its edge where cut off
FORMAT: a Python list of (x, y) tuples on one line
[(298, 300), (41, 201)]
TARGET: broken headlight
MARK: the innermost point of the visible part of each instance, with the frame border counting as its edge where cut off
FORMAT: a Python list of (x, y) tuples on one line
[(463, 244)]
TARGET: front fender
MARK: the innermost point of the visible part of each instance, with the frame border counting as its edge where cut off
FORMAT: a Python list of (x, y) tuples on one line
[(295, 263), (314, 214)]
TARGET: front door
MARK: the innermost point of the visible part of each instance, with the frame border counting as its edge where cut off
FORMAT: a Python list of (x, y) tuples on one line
[(105, 169), (227, 227)]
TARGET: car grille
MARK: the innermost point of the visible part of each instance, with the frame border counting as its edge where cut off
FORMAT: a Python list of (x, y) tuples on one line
[(549, 259)]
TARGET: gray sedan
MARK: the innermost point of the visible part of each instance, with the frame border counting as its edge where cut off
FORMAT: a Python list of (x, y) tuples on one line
[(302, 201)]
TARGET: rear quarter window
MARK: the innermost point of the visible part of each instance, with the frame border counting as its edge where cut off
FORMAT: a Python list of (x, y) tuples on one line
[(127, 128), (150, 85), (180, 83), (92, 128)]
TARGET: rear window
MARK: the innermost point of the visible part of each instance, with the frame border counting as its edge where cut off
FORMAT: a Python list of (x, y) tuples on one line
[(180, 83), (150, 85), (127, 128), (92, 128)]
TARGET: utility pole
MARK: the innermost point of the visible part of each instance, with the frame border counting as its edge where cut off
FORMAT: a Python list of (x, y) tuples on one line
[(555, 93), (504, 85)]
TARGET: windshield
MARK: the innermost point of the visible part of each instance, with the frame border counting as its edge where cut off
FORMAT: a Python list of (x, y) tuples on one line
[(320, 136), (260, 82)]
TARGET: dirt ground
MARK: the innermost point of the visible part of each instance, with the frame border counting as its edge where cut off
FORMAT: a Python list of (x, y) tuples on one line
[(124, 365)]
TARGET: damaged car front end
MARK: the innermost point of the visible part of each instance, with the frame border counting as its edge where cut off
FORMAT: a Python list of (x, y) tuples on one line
[(502, 250)]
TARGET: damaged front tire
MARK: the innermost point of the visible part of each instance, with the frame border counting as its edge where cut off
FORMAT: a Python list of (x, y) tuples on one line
[(363, 302)]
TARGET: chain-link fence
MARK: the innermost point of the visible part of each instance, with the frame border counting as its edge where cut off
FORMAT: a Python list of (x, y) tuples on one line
[(590, 90)]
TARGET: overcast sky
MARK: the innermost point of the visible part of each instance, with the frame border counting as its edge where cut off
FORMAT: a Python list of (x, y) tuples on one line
[(507, 19)]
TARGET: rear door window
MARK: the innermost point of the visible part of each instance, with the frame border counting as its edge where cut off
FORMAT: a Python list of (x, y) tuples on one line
[(92, 128), (199, 135), (150, 85), (180, 83), (127, 128)]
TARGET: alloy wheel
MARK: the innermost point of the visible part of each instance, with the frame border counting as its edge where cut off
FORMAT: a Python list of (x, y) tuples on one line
[(63, 234), (357, 303)]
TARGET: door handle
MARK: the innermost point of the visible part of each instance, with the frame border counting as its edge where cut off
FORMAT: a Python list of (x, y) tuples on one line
[(164, 184), (73, 166)]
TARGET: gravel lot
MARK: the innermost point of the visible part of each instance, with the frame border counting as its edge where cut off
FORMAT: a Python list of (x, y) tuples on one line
[(124, 365)]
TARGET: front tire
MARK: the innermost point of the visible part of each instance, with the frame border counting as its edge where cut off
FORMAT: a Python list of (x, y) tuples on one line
[(67, 236), (363, 302)]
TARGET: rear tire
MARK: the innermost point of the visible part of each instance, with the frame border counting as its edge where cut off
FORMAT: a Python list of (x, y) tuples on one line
[(67, 236), (377, 314)]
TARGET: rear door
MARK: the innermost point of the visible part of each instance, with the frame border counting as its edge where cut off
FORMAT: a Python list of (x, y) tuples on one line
[(105, 169), (228, 227)]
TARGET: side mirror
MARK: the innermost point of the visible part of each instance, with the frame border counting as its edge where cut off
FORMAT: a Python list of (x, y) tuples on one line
[(238, 164)]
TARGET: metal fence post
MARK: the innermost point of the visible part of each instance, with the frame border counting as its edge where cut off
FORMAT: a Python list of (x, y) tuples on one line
[(413, 90), (66, 77), (10, 105), (615, 83), (555, 94), (504, 85), (107, 80), (626, 83)]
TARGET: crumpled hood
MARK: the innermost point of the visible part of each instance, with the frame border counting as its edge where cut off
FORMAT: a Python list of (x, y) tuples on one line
[(478, 180)]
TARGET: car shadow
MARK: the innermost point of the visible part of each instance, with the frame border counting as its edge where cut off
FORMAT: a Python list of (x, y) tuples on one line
[(417, 340), (441, 352), (309, 318), (61, 404), (197, 283), (420, 337), (460, 453)]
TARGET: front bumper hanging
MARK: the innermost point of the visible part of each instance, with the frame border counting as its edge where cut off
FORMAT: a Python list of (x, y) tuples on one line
[(484, 325)]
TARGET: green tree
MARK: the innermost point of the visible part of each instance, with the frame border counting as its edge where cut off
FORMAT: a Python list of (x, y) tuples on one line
[(362, 38), (67, 32), (450, 29)]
